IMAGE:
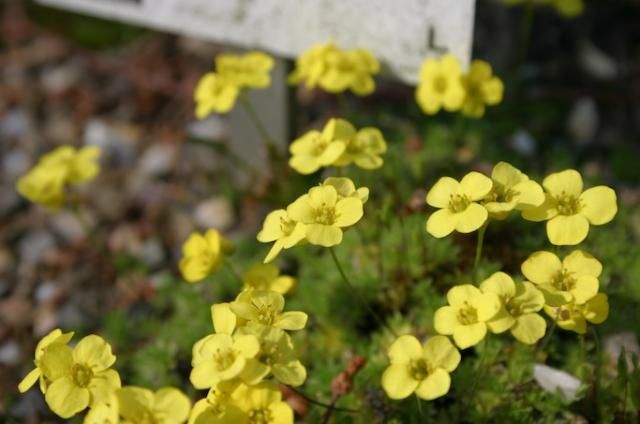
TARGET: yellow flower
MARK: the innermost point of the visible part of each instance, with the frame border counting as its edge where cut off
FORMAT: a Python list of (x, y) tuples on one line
[(574, 317), (141, 406), (54, 337), (250, 70), (221, 357), (316, 149), (481, 88), (80, 165), (568, 210), (202, 255), (279, 227), (311, 65), (336, 70), (467, 316), (44, 184), (511, 190), (265, 308), (218, 407), (79, 377), (263, 404), (104, 412), (574, 280), (350, 70), (365, 149), (325, 214), (346, 188), (519, 306), (420, 369), (440, 85), (458, 203), (267, 277), (277, 354), (214, 94)]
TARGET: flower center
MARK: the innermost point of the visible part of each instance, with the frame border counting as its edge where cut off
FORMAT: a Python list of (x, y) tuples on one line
[(223, 359), (320, 144), (440, 84), (502, 194), (147, 417), (260, 416), (564, 280), (467, 315), (325, 215), (458, 202), (266, 313), (419, 369), (568, 204), (514, 307), (82, 375), (287, 226)]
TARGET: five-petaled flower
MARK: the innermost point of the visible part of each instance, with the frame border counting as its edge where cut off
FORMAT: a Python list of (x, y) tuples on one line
[(423, 369), (481, 89), (511, 190), (440, 85)]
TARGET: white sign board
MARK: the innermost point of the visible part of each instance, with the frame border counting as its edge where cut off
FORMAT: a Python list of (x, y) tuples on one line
[(401, 33)]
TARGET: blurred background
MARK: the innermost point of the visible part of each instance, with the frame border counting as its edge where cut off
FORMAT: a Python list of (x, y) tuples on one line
[(572, 99)]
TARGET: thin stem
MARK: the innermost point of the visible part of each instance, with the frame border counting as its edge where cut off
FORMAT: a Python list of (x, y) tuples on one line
[(419, 407), (583, 356), (82, 220), (324, 405), (547, 339), (356, 294), (479, 248), (232, 270), (525, 37), (596, 382), (248, 107)]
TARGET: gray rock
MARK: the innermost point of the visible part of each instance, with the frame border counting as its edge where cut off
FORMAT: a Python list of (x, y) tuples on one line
[(523, 143), (615, 344), (15, 164), (68, 226), (152, 253), (157, 160), (57, 79), (212, 128), (596, 62), (115, 145), (15, 124), (10, 353), (35, 246), (214, 213), (46, 291), (554, 380), (583, 120)]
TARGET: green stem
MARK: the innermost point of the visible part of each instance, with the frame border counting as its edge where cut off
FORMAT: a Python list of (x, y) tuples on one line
[(549, 336), (357, 295), (583, 357), (322, 404), (82, 220), (232, 270), (479, 249), (251, 112)]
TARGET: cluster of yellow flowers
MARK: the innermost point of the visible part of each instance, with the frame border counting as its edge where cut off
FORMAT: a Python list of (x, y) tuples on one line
[(249, 343), (74, 379), (566, 290), (338, 144), (318, 217), (336, 70), (443, 86), (45, 183), (467, 205), (567, 8), (218, 91)]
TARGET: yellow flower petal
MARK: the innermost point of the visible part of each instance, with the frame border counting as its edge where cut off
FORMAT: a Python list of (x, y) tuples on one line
[(529, 328), (271, 229), (461, 294), (223, 318), (469, 335), (445, 320), (95, 352), (102, 386), (567, 230), (441, 353), (281, 412), (586, 287), (500, 284), (292, 373), (348, 211), (529, 297), (501, 322), (254, 371), (600, 205), (172, 405), (397, 382), (568, 182), (475, 185), (530, 195), (541, 267), (291, 321), (441, 192), (471, 218), (582, 263), (597, 309), (436, 384), (29, 380), (302, 210), (507, 175), (545, 211), (487, 305), (404, 349), (65, 398), (324, 235), (441, 223)]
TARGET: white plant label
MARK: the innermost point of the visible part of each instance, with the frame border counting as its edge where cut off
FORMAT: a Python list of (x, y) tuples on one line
[(401, 33)]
